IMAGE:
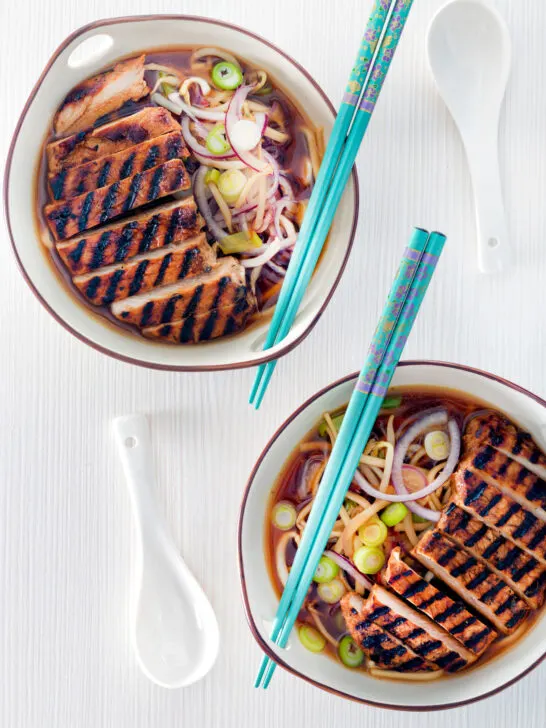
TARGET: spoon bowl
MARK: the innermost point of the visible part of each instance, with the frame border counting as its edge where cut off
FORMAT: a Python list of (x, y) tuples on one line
[(469, 53), (175, 631)]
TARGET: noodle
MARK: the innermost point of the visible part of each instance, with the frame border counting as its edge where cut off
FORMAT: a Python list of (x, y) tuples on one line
[(321, 628), (390, 431), (246, 189), (358, 521), (409, 529), (313, 150), (278, 136), (317, 475), (261, 202), (370, 476), (222, 205), (418, 455)]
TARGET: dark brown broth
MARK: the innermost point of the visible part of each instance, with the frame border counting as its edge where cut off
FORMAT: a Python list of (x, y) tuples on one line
[(293, 158), (414, 399)]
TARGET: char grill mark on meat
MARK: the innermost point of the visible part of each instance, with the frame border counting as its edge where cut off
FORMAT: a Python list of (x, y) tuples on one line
[(521, 571), (140, 233), (450, 614), (99, 173), (144, 272), (472, 580), (111, 138), (381, 647), (499, 511), (67, 219)]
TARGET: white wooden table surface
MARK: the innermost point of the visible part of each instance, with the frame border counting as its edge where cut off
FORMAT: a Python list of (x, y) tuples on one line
[(66, 540)]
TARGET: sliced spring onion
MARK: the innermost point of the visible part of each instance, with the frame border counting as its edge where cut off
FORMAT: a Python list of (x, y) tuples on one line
[(437, 445), (230, 184), (349, 653), (323, 427), (391, 402), (267, 88), (239, 242), (284, 515), (393, 514), (326, 571), (226, 76), (212, 175), (166, 87), (311, 638), (373, 532), (216, 141), (369, 559), (331, 592)]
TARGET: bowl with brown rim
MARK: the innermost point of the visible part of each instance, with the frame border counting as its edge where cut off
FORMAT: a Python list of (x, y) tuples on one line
[(260, 598), (121, 37)]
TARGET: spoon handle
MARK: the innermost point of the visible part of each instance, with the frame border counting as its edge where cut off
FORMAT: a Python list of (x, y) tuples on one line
[(493, 244), (132, 434)]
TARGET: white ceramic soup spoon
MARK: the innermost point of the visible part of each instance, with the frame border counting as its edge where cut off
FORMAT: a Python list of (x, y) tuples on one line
[(469, 52), (176, 635)]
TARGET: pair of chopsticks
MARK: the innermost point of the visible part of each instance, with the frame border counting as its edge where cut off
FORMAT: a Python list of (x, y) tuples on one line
[(379, 43), (405, 298)]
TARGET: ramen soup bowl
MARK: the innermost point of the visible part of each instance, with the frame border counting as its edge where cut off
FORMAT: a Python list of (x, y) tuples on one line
[(94, 47), (501, 670)]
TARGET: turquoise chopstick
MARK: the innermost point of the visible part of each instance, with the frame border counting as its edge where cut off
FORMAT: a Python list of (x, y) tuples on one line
[(376, 390), (381, 338), (286, 313), (379, 17)]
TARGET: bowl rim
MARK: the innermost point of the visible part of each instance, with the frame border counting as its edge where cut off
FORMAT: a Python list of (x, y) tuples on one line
[(58, 317), (264, 646)]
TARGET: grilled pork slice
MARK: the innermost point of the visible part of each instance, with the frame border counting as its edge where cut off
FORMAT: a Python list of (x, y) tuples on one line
[(381, 647), (416, 631), (521, 571), (494, 444), (494, 429), (205, 326), (499, 511), (111, 138), (512, 478), (70, 217), (146, 271), (222, 286), (75, 181), (162, 225), (451, 615), (101, 94), (472, 580)]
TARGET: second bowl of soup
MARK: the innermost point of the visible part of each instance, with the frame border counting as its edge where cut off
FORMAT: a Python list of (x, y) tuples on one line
[(431, 587)]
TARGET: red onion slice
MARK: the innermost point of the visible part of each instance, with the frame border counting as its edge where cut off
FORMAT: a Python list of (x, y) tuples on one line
[(198, 148), (348, 567), (203, 204), (233, 115)]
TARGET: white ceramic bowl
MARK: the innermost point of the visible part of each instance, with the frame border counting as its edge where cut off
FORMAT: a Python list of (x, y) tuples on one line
[(70, 64), (261, 602)]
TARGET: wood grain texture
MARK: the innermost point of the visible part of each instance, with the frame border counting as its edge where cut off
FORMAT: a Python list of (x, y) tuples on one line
[(66, 540)]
